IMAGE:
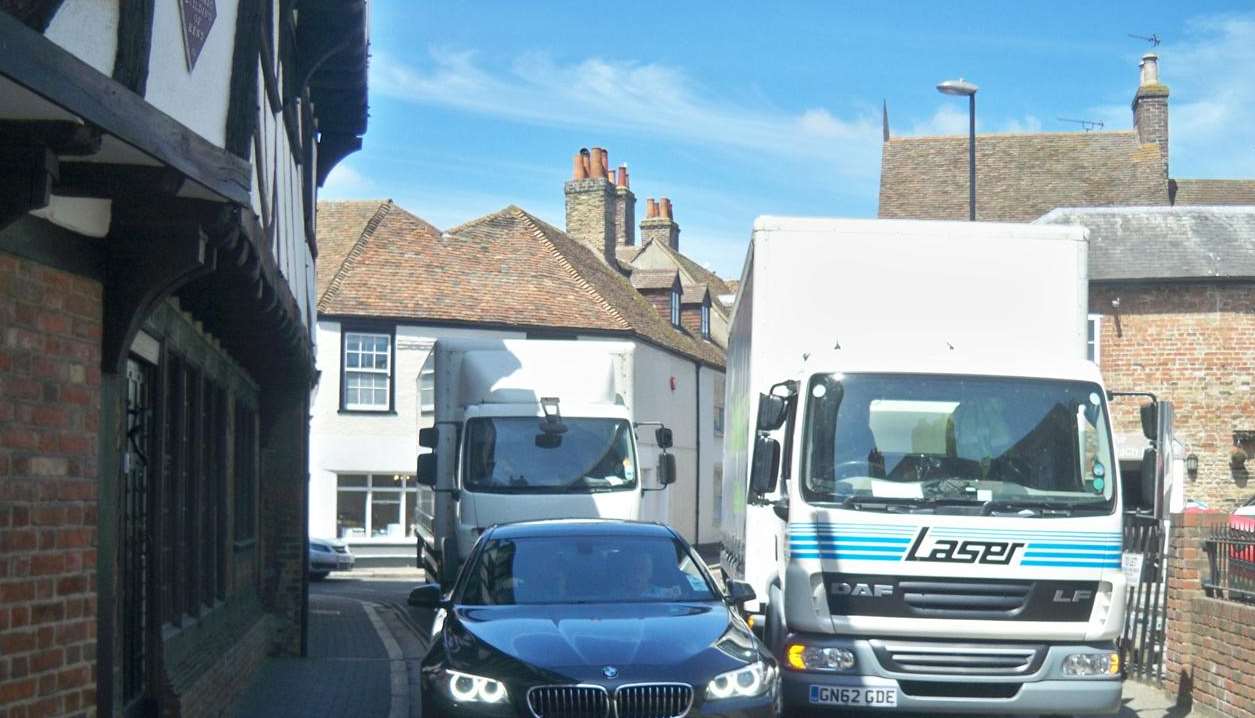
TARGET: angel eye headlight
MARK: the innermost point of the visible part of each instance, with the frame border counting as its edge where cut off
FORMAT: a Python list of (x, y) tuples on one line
[(469, 688), (754, 679)]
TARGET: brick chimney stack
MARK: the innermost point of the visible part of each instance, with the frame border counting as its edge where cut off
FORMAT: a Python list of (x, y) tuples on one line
[(659, 224), (1150, 108), (591, 202), (624, 210)]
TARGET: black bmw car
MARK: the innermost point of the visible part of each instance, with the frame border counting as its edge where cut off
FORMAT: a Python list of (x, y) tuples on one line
[(591, 619)]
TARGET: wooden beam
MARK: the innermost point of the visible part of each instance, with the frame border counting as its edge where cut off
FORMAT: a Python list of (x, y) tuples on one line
[(242, 112), (26, 177), (124, 182), (135, 43), (53, 73), (42, 241), (62, 137), (37, 14)]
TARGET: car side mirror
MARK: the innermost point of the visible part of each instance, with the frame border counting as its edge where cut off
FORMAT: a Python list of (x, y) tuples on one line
[(739, 592), (427, 595), (766, 465), (772, 411), (426, 470), (428, 438), (666, 470), (662, 437)]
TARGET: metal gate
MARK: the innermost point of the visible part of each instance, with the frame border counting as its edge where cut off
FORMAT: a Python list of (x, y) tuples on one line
[(1142, 641), (136, 536)]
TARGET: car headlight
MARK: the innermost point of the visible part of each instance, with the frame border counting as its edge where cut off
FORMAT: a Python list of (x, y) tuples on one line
[(1092, 664), (745, 682), (816, 658), (470, 688)]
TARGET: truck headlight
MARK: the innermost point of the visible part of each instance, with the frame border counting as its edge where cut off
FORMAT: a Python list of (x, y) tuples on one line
[(470, 688), (745, 682), (815, 658), (1106, 663)]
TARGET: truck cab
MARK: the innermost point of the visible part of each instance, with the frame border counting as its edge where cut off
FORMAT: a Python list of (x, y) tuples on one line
[(528, 429)]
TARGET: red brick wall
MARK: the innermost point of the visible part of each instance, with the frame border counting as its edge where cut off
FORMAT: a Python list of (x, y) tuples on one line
[(1193, 344), (1209, 654), (50, 326), (691, 318)]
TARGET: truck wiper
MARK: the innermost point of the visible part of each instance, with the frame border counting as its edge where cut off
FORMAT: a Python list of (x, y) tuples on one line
[(858, 502), (1047, 508)]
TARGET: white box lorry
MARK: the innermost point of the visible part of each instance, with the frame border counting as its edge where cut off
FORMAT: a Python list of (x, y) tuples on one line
[(919, 480), (528, 429)]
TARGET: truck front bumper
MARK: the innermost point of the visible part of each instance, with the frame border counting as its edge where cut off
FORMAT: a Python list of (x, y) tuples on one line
[(1046, 691)]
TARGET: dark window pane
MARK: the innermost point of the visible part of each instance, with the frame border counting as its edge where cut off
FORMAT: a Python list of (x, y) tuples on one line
[(351, 514)]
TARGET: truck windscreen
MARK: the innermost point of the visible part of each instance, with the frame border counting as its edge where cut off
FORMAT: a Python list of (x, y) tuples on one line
[(957, 443), (513, 455)]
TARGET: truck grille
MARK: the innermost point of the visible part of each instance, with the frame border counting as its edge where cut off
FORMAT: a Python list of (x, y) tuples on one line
[(945, 599), (653, 700), (950, 659), (568, 702)]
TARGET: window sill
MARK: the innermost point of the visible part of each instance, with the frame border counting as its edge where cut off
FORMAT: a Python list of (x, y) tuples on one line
[(369, 412)]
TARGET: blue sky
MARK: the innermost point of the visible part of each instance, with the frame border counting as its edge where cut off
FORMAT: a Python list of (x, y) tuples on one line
[(738, 109)]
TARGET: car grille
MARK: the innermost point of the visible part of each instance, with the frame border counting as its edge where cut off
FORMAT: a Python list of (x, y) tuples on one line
[(653, 700), (568, 702), (943, 599), (977, 659)]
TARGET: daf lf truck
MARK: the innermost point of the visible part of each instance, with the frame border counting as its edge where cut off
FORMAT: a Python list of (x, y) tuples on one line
[(919, 475), (528, 429)]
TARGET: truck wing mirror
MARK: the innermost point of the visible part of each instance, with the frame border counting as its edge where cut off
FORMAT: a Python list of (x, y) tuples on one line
[(1149, 483), (772, 411), (426, 473), (662, 437), (666, 470), (766, 465), (428, 438), (1150, 421)]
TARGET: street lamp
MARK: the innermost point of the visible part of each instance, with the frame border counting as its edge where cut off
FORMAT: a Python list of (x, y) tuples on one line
[(963, 87)]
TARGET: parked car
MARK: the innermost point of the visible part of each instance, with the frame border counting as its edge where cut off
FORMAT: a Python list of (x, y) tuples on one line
[(327, 555), (591, 618), (1243, 517)]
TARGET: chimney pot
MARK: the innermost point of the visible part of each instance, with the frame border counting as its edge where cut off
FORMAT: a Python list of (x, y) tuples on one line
[(597, 163), (579, 168), (651, 208), (623, 177), (1150, 69), (605, 164), (664, 208)]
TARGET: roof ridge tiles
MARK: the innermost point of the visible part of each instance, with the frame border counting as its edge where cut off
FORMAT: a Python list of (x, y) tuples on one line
[(333, 287)]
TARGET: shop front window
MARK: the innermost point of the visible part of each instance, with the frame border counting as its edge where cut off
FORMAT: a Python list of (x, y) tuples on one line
[(375, 506)]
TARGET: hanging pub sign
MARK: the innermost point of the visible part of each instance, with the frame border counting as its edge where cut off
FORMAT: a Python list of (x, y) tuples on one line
[(198, 18)]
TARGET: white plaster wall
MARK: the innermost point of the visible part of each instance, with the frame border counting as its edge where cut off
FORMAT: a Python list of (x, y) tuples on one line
[(656, 401), (198, 99), (89, 30)]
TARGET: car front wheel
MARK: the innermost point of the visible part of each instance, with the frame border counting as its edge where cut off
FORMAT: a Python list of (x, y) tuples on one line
[(318, 575)]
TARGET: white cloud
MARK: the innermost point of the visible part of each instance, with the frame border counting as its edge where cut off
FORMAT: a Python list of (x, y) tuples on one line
[(641, 98), (1209, 72), (345, 182), (952, 119)]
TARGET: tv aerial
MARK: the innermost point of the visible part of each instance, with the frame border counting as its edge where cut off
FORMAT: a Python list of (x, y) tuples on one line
[(1154, 39), (1087, 125)]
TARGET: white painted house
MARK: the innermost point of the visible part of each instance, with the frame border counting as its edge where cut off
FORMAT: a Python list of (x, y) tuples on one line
[(390, 285)]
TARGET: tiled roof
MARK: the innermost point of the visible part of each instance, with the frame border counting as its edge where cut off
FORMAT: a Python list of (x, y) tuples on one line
[(507, 268), (695, 294), (341, 226), (1134, 243), (1212, 192), (1018, 177), (654, 278), (625, 255)]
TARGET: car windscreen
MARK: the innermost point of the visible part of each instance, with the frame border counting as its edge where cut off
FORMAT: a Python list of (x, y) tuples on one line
[(957, 439), (583, 569), (515, 455)]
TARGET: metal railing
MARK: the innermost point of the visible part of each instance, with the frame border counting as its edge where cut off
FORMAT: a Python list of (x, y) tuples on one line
[(1142, 640), (1231, 560)]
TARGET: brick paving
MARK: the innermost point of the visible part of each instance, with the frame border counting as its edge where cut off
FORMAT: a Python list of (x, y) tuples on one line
[(347, 672)]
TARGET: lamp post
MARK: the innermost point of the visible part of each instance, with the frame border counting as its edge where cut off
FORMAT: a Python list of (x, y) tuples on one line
[(963, 87)]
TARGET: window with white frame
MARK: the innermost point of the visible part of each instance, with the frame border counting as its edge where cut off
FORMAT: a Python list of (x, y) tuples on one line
[(705, 321), (717, 401), (675, 307), (1093, 337), (378, 506), (367, 371)]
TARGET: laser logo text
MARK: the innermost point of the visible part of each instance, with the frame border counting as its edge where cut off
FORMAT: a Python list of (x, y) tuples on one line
[(996, 553)]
